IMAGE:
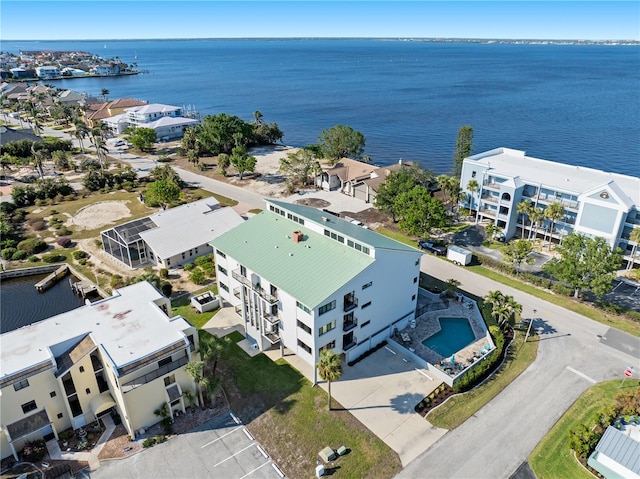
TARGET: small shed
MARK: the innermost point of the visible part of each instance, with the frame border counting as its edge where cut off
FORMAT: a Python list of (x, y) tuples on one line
[(204, 302)]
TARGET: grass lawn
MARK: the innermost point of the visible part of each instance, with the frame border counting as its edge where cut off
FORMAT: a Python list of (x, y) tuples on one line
[(552, 457), (461, 407), (182, 306), (290, 418), (402, 238)]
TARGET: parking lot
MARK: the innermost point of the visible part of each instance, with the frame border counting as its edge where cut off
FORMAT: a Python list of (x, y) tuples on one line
[(221, 447)]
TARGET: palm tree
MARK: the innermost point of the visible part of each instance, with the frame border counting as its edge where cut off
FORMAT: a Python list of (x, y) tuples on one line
[(473, 186), (81, 130), (104, 93), (452, 286), (634, 237), (329, 368), (257, 116), (554, 212), (101, 150), (524, 209), (536, 215), (195, 369), (38, 156), (514, 308)]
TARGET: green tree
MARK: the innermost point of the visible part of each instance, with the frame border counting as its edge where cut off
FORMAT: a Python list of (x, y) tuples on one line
[(398, 182), (464, 147), (504, 308), (223, 163), (419, 212), (634, 237), (329, 368), (195, 369), (341, 141), (80, 132), (190, 141), (299, 167), (473, 187), (165, 172), (450, 186), (517, 252), (452, 286), (217, 133), (536, 215), (104, 93), (241, 160), (524, 209), (257, 117), (585, 263), (554, 212), (141, 138), (162, 192)]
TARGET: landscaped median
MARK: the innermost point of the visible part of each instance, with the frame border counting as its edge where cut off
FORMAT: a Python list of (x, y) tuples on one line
[(289, 417)]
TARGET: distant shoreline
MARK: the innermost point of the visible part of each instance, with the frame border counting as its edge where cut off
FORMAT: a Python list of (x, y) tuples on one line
[(71, 77), (506, 41)]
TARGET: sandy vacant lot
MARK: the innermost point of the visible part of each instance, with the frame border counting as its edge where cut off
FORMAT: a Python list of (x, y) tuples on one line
[(100, 214)]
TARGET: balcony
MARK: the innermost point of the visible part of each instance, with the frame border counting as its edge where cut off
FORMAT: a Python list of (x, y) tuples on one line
[(352, 344), (161, 371), (490, 198), (272, 337), (264, 295), (272, 318), (349, 325), (237, 292), (238, 310), (491, 184), (255, 287), (350, 305), (242, 279)]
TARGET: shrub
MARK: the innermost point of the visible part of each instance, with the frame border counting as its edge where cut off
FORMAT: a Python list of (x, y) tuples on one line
[(200, 260), (19, 255), (38, 225), (32, 245), (209, 269), (53, 258), (64, 232), (8, 253), (166, 288), (64, 242), (34, 451), (164, 273), (189, 266), (98, 243), (82, 261), (560, 288), (197, 276), (79, 254), (33, 259)]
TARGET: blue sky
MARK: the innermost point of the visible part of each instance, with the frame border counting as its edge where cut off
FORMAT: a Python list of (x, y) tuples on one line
[(135, 19)]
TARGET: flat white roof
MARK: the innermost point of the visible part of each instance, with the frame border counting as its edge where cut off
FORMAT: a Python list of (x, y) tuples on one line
[(128, 326), (184, 227), (153, 108), (575, 179), (170, 121)]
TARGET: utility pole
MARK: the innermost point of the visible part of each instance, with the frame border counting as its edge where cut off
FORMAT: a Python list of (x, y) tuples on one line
[(530, 323)]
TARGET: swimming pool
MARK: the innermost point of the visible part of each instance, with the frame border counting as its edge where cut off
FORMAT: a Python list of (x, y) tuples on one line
[(456, 333)]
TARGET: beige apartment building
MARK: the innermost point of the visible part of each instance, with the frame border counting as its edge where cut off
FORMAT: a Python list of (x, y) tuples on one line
[(123, 355)]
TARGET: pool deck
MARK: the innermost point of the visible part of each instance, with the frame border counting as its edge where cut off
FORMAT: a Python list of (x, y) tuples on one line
[(428, 324)]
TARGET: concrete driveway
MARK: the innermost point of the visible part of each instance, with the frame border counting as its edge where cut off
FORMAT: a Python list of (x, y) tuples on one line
[(221, 447), (381, 392)]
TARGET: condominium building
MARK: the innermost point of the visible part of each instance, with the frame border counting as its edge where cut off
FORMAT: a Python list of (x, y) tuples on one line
[(308, 281), (122, 354), (595, 202)]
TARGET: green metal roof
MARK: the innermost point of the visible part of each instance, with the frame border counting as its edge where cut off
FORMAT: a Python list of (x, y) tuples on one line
[(311, 270), (358, 233)]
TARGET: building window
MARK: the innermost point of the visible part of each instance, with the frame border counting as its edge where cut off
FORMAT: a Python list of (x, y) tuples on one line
[(29, 406), (243, 271), (52, 394), (365, 250), (415, 280), (340, 239), (304, 327), (303, 307), (183, 256), (326, 307), (190, 252), (326, 328), (350, 243), (164, 361), (224, 286), (327, 233), (223, 270), (366, 323), (21, 385), (81, 369), (88, 391), (304, 346), (169, 380), (417, 261), (366, 305), (413, 298), (221, 254), (59, 415), (330, 345), (368, 285), (473, 174)]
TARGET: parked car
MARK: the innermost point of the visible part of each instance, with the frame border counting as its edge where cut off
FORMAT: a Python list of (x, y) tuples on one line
[(432, 247)]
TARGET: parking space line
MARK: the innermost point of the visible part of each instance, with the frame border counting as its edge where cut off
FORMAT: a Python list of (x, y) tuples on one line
[(233, 416), (224, 435), (264, 453), (277, 469), (251, 472), (233, 455), (248, 434)]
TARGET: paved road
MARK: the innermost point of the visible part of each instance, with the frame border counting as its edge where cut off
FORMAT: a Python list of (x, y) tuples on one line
[(571, 358)]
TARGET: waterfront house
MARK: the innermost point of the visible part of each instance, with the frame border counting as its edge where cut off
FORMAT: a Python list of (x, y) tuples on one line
[(166, 120), (104, 111), (595, 202), (123, 355), (309, 281), (344, 175), (171, 237), (367, 188), (48, 71)]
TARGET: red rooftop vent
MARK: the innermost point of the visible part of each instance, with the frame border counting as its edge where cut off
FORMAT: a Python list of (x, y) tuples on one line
[(298, 236)]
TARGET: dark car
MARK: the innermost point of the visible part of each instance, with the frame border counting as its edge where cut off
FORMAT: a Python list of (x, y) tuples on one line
[(432, 247)]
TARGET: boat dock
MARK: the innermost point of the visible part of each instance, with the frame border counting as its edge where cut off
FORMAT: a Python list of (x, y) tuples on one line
[(52, 278)]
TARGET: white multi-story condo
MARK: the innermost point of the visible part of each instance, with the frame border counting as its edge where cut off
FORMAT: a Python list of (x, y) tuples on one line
[(309, 281), (122, 354), (595, 202)]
